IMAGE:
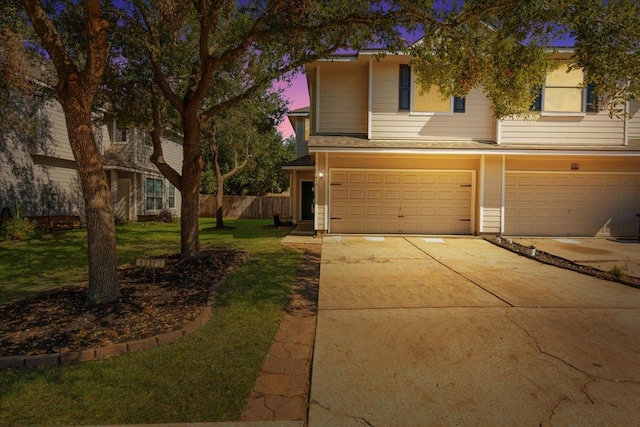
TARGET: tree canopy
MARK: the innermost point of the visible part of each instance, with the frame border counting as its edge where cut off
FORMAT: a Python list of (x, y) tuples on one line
[(184, 63)]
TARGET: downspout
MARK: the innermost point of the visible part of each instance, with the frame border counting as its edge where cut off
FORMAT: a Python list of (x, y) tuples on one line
[(481, 196), (503, 184), (370, 100)]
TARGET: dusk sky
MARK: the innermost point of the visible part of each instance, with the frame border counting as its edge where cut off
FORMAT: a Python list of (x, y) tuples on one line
[(298, 97)]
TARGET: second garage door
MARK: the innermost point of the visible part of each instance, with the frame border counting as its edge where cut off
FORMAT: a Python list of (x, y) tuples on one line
[(388, 201), (571, 204)]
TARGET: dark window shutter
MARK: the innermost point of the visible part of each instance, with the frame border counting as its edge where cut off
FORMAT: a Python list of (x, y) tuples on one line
[(405, 88), (459, 105), (592, 99), (537, 103)]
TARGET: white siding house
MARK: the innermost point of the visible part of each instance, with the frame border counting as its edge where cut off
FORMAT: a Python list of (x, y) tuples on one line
[(38, 173), (390, 157)]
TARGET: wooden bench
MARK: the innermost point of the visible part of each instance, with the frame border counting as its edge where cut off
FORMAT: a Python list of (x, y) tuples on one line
[(58, 222)]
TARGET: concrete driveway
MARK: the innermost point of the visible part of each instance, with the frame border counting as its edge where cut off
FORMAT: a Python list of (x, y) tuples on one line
[(456, 331)]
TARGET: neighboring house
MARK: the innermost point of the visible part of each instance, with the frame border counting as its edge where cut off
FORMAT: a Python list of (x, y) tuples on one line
[(388, 157), (38, 172)]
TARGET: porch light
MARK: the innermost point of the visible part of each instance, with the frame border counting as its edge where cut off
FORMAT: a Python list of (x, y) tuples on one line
[(321, 175)]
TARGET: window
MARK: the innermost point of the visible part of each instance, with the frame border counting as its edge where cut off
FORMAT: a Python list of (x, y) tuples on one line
[(172, 196), (562, 93), (412, 97), (155, 193)]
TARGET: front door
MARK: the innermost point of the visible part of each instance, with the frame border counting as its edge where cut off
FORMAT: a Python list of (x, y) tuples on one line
[(122, 203), (306, 210)]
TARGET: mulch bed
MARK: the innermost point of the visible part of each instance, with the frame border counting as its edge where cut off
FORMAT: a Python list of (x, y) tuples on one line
[(152, 303), (557, 261)]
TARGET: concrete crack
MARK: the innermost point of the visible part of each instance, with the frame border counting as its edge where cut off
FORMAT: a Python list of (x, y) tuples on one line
[(591, 378), (360, 420), (590, 375)]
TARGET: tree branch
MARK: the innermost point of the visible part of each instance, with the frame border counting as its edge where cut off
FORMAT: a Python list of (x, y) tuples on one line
[(157, 157), (153, 47)]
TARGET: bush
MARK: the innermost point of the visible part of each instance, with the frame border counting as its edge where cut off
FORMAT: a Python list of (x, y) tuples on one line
[(20, 229), (617, 272), (165, 215)]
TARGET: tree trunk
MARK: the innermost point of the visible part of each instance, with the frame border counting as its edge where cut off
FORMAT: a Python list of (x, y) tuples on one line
[(193, 162), (219, 194), (101, 236)]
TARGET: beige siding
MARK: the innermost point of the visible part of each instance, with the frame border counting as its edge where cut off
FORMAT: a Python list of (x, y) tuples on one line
[(634, 121), (476, 123), (172, 154), (591, 129), (53, 138), (343, 98), (492, 203)]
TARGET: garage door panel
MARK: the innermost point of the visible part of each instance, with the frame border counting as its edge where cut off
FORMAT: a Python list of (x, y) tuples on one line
[(580, 205), (374, 194), (401, 202), (374, 178)]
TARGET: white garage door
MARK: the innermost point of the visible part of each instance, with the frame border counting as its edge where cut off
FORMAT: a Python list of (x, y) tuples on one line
[(571, 204), (386, 201)]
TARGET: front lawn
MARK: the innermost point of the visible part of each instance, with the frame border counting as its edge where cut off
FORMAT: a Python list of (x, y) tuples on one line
[(206, 376)]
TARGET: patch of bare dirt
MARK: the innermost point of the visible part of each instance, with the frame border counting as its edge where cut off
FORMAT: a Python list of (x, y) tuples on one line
[(557, 261), (152, 303)]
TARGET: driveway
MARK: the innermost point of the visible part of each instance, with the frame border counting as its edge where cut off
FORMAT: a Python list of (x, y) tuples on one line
[(456, 331)]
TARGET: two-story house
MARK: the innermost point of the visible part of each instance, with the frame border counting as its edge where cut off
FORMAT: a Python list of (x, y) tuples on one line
[(38, 172), (389, 157)]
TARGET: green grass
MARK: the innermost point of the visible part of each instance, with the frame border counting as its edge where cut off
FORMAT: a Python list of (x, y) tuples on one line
[(206, 376)]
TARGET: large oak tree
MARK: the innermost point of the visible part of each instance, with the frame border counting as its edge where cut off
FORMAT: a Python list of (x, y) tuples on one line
[(79, 63)]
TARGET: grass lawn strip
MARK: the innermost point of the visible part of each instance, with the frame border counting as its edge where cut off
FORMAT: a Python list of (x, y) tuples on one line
[(206, 376)]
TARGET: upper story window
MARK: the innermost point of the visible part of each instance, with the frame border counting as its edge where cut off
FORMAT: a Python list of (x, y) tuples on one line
[(121, 135), (562, 94), (116, 134), (412, 97)]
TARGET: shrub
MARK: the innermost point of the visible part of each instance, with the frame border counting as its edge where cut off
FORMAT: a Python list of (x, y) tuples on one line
[(165, 215), (20, 229), (617, 272)]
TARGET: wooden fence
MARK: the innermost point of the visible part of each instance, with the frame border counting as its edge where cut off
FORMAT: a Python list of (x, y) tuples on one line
[(246, 207)]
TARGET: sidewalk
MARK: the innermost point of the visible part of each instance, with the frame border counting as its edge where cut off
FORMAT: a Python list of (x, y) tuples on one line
[(282, 388)]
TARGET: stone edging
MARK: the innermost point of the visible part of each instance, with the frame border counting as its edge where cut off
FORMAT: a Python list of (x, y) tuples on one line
[(55, 359)]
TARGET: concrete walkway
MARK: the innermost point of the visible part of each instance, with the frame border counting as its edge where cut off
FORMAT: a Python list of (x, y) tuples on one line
[(455, 331)]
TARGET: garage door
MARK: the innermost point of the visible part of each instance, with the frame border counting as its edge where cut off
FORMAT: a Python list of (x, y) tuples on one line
[(572, 204), (420, 202)]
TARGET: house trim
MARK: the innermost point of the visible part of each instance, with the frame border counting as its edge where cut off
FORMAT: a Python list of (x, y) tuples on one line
[(317, 112), (450, 151)]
